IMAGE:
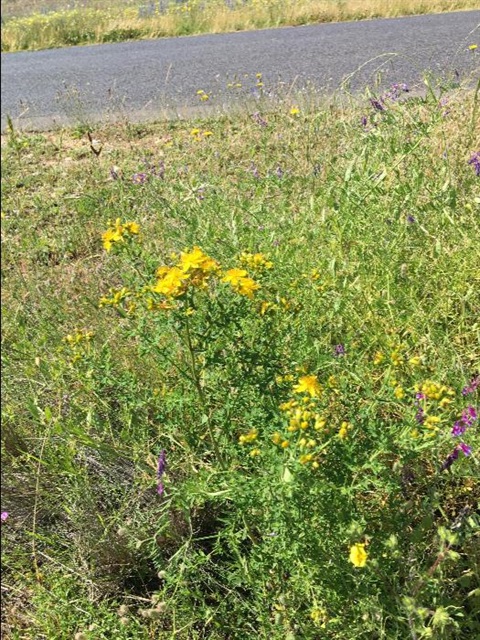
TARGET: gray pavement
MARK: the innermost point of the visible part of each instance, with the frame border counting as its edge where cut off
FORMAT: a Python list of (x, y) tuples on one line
[(151, 79)]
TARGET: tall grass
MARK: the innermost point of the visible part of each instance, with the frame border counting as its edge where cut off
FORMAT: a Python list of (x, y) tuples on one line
[(145, 411), (99, 21)]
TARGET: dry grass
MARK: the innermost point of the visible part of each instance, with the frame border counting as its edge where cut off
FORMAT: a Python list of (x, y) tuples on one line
[(45, 23)]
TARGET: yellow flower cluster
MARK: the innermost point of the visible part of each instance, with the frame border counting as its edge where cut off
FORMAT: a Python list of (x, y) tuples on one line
[(345, 427), (117, 232), (198, 134), (78, 336), (434, 391), (256, 261), (240, 282), (193, 268), (116, 297), (202, 95), (249, 437), (432, 398)]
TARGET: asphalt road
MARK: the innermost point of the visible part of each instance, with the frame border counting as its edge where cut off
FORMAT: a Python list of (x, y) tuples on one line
[(156, 78)]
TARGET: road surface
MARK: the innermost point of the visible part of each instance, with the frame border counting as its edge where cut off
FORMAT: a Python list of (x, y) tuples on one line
[(149, 79)]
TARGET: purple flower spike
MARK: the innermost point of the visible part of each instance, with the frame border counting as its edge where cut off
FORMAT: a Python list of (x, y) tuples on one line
[(475, 162), (411, 219), (458, 429), (339, 350), (139, 178), (472, 386), (449, 460), (420, 416), (465, 448), (162, 462), (377, 105), (364, 121), (4, 516)]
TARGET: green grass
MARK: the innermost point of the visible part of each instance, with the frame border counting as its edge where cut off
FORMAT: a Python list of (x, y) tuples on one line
[(372, 228), (43, 24)]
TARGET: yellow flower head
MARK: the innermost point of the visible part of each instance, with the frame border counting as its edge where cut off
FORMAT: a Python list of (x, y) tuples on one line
[(117, 232), (172, 282), (345, 427), (196, 260), (310, 385), (294, 111), (240, 282), (256, 261), (358, 555)]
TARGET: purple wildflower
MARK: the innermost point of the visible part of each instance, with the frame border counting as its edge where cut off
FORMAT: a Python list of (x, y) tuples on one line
[(468, 417), (458, 429), (450, 459), (339, 350), (161, 464), (475, 162), (411, 219), (4, 516), (364, 121), (472, 386), (139, 178), (420, 416), (279, 172), (254, 170), (256, 117), (160, 172), (377, 104), (465, 448)]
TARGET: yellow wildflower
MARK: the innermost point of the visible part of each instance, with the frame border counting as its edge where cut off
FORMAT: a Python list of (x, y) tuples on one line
[(276, 438), (319, 616), (195, 261), (396, 358), (358, 555), (472, 47), (305, 458), (294, 111), (399, 392), (256, 260), (378, 358), (254, 453), (251, 436), (416, 361), (310, 385), (285, 444), (117, 231), (240, 282), (344, 429), (173, 283)]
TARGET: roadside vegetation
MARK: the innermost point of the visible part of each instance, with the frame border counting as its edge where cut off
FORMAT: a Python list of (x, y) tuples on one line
[(241, 374), (44, 24)]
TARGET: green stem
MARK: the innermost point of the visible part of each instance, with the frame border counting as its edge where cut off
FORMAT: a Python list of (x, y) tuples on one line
[(201, 394)]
